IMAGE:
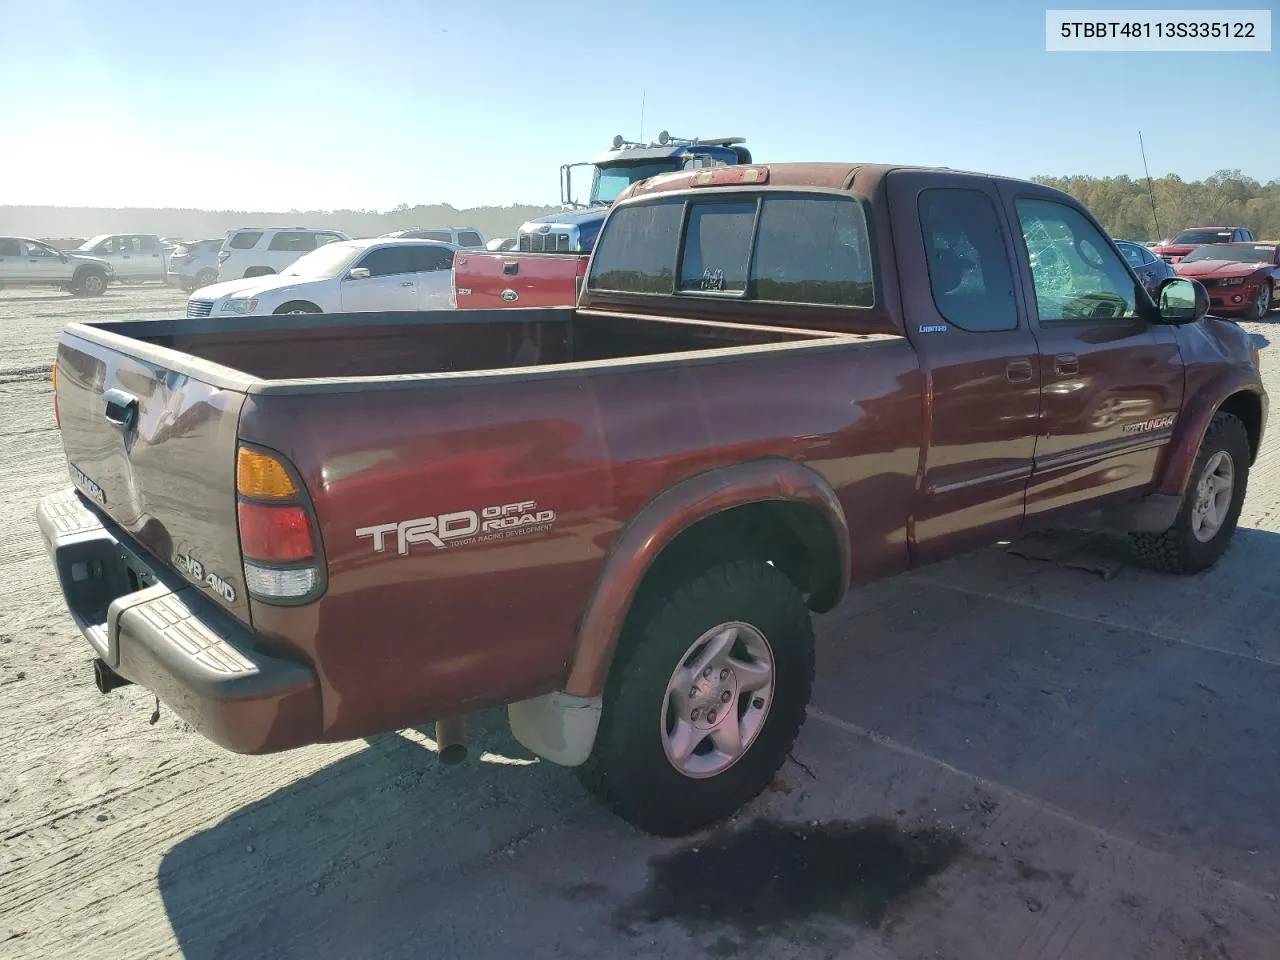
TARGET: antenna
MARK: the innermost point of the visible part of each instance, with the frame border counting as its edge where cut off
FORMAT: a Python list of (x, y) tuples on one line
[(642, 93), (1150, 188)]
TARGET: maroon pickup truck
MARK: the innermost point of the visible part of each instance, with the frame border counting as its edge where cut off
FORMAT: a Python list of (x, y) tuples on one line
[(616, 519)]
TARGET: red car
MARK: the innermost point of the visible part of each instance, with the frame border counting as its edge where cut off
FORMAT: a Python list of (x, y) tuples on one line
[(1193, 237), (1241, 277)]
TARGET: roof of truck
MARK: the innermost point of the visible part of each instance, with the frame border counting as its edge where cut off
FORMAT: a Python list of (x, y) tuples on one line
[(837, 176)]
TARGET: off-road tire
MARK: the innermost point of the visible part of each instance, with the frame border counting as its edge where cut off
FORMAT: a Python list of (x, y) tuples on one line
[(1177, 550), (89, 283), (628, 769)]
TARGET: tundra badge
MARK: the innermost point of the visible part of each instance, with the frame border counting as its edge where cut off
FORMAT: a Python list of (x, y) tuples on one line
[(86, 485)]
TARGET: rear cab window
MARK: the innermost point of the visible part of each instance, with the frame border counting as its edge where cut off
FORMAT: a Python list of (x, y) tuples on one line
[(293, 241), (775, 247)]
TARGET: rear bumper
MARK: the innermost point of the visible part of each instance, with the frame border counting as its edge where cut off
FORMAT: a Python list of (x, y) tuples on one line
[(158, 631)]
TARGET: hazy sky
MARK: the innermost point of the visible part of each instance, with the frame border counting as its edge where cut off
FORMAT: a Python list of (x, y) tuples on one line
[(279, 104)]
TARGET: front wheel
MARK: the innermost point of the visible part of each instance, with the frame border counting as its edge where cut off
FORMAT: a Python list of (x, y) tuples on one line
[(1262, 303), (1211, 504), (297, 306), (90, 283), (705, 699)]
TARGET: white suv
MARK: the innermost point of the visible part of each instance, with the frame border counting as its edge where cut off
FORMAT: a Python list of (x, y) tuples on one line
[(256, 252), (466, 238)]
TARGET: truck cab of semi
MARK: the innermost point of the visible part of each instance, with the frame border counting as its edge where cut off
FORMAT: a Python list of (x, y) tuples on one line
[(574, 230)]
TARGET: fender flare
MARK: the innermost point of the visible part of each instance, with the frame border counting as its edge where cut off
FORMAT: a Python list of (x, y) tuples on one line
[(1193, 423), (665, 517)]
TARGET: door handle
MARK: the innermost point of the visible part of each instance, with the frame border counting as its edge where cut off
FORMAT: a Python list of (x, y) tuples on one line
[(1066, 364), (1018, 370), (121, 408), (406, 283)]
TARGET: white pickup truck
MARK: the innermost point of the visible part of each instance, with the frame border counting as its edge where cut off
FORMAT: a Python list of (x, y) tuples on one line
[(30, 263)]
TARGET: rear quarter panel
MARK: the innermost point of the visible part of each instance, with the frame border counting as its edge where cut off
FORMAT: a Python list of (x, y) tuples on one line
[(401, 639)]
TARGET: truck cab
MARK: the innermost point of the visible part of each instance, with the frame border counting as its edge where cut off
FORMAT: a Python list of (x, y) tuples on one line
[(575, 230)]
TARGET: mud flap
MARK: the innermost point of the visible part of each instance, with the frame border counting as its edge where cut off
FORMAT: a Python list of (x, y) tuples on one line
[(557, 726)]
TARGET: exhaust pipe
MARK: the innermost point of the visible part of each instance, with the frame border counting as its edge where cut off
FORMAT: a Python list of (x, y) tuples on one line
[(451, 739), (106, 679)]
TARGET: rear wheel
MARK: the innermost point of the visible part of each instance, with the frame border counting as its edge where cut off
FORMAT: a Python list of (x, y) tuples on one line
[(298, 306), (89, 283), (706, 697), (205, 278), (1210, 506), (258, 272)]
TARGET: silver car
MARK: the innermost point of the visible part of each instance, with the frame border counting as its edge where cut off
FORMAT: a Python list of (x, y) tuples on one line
[(195, 264)]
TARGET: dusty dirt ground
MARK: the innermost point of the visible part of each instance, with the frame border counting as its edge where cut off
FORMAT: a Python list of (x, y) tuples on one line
[(1033, 752)]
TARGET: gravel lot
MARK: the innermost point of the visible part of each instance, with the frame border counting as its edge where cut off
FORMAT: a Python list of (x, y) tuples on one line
[(1038, 751)]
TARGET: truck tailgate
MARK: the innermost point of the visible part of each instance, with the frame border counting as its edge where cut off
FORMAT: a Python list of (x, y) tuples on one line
[(490, 280), (155, 450)]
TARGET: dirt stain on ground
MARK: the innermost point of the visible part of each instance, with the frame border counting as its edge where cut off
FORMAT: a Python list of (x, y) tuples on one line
[(770, 875)]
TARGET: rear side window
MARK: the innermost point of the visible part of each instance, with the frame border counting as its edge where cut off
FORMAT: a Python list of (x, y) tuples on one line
[(969, 269), (293, 241), (322, 238), (717, 247), (813, 250), (245, 240), (387, 261), (469, 238), (10, 247), (637, 252), (429, 259)]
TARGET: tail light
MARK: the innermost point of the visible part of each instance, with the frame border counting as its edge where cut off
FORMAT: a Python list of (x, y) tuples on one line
[(223, 255), (279, 537), (57, 417)]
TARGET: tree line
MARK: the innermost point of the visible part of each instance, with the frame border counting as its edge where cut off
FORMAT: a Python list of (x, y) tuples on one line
[(1228, 198), (1123, 204), (187, 224)]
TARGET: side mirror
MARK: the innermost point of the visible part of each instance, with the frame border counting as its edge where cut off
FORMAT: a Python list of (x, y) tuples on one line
[(1182, 300), (63, 258), (358, 273)]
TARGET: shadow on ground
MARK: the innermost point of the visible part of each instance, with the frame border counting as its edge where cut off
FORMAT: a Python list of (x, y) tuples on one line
[(1137, 703)]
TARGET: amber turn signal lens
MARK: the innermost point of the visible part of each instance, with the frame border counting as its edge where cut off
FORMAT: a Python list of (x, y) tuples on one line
[(261, 475)]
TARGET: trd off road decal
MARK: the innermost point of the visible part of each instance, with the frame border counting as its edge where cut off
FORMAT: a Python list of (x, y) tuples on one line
[(1155, 423), (462, 527)]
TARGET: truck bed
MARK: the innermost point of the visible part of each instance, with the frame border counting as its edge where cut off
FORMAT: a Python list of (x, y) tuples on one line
[(446, 341)]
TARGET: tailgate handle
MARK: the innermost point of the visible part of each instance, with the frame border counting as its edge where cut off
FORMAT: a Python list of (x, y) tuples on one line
[(121, 409), (511, 267)]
